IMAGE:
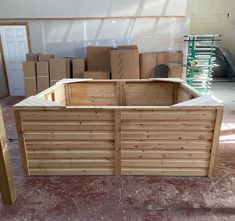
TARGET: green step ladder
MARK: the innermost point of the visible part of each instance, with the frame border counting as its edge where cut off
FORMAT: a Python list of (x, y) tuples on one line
[(200, 61)]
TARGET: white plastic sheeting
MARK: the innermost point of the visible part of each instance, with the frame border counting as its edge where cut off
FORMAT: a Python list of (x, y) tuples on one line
[(71, 37)]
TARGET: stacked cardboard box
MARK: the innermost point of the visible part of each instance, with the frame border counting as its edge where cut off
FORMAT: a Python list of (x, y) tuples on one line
[(32, 57), (45, 57), (42, 75), (30, 81), (148, 62), (125, 62), (97, 74), (98, 58), (78, 67), (59, 69)]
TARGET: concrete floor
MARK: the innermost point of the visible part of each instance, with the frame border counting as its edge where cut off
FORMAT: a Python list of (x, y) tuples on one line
[(128, 198)]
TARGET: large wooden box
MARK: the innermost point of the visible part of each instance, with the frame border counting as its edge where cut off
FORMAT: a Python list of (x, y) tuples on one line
[(119, 127)]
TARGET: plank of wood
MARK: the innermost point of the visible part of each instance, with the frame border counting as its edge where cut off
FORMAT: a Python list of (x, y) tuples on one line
[(168, 125), (7, 188), (167, 135), (69, 136), (118, 165), (169, 115), (202, 101), (149, 154), (70, 154), (165, 163), (70, 163), (68, 126), (67, 115), (72, 172), (215, 143), (20, 134), (70, 145), (166, 172), (167, 145)]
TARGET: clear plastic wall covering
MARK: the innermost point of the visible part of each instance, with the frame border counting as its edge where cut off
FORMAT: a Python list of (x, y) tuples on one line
[(71, 37)]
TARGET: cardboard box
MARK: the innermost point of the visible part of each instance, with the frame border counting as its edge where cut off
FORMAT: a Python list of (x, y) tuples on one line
[(59, 69), (125, 64), (32, 57), (30, 83), (149, 61), (98, 58), (122, 47), (177, 70), (96, 74), (45, 57), (78, 66), (42, 76)]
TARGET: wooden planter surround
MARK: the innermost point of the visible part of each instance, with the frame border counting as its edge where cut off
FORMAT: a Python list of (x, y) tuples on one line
[(119, 127)]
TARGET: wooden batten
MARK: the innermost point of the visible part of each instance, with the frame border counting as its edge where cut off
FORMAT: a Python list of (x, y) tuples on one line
[(215, 142), (7, 187)]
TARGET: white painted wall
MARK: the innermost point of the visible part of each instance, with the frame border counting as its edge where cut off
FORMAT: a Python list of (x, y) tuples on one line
[(211, 17), (69, 37)]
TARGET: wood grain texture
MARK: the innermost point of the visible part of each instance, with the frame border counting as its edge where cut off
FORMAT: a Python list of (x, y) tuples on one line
[(7, 187)]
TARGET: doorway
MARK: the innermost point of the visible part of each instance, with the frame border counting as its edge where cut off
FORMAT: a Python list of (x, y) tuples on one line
[(15, 46)]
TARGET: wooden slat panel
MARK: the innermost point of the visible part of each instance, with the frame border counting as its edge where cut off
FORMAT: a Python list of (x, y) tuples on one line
[(166, 172), (70, 163), (45, 172), (168, 135), (68, 125), (169, 115), (134, 154), (69, 145), (165, 163), (69, 136), (75, 154), (168, 144), (67, 115)]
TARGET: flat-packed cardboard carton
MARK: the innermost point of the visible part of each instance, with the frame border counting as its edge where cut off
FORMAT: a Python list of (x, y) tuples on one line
[(59, 69), (32, 57), (149, 61), (177, 70), (45, 57), (125, 64), (42, 76), (98, 58), (96, 74), (122, 47), (78, 65), (30, 83)]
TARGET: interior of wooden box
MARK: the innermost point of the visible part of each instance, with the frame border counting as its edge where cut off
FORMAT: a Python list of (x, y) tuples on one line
[(119, 93)]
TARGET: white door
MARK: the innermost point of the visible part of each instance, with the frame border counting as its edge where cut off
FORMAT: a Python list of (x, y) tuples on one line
[(15, 46)]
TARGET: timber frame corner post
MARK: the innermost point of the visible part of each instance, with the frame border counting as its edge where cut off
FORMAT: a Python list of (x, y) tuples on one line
[(7, 188)]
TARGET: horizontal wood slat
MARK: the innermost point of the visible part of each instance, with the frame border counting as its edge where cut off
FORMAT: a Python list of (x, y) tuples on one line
[(166, 163), (67, 115), (73, 154), (134, 154)]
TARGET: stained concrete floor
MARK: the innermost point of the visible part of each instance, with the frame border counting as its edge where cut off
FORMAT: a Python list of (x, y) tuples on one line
[(146, 198)]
